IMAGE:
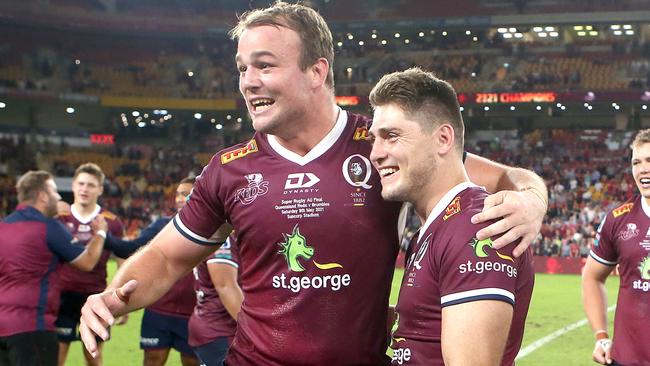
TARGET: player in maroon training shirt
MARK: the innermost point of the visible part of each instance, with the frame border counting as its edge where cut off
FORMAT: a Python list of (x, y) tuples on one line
[(76, 286), (454, 284), (623, 238), (317, 243), (218, 301)]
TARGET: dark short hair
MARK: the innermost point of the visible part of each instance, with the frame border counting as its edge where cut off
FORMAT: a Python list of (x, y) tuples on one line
[(420, 93), (189, 180), (315, 35), (92, 169), (30, 184)]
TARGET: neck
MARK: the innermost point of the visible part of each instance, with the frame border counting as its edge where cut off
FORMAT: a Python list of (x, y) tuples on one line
[(35, 205), (449, 174), (312, 127), (84, 210)]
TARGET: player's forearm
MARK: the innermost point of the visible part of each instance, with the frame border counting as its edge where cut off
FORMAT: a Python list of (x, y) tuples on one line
[(231, 297), (594, 300), (153, 273), (90, 256)]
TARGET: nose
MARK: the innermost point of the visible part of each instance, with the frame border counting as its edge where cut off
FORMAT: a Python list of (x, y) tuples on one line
[(377, 154), (249, 80)]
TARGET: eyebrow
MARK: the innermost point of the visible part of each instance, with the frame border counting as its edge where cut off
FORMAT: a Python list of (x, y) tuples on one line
[(256, 55)]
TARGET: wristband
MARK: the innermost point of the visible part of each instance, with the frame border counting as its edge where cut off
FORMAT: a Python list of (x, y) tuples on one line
[(601, 334), (101, 233), (538, 193)]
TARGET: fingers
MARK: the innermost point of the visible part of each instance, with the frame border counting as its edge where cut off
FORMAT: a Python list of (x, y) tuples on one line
[(608, 356), (492, 208), (88, 339), (128, 288), (525, 242)]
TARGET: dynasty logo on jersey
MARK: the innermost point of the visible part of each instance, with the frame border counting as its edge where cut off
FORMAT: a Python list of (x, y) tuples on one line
[(294, 248)]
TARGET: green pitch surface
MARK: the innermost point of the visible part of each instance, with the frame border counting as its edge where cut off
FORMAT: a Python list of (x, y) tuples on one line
[(556, 304)]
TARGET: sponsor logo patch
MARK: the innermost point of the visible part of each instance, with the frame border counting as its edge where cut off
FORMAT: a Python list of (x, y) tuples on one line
[(235, 154), (297, 252), (360, 134), (623, 209), (452, 209)]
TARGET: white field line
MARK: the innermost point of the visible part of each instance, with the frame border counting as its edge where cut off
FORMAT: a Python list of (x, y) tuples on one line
[(558, 333)]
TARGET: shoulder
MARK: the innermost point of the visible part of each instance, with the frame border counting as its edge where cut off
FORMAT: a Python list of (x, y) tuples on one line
[(108, 215), (625, 208), (360, 125), (233, 153)]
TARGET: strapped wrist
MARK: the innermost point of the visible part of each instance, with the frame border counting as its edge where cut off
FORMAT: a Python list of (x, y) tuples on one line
[(101, 233), (538, 192), (601, 334)]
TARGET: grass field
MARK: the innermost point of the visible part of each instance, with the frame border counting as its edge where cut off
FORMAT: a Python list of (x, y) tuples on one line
[(556, 303)]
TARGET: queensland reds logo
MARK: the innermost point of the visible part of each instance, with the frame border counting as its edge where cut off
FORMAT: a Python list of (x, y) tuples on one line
[(356, 171), (630, 232), (256, 187)]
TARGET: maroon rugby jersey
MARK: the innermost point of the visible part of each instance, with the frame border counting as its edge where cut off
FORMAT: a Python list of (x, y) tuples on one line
[(179, 300), (210, 318), (317, 247), (448, 266), (624, 238), (94, 281)]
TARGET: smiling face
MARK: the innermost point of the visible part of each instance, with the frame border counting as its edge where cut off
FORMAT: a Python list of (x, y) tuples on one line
[(641, 168), (271, 81), (403, 154)]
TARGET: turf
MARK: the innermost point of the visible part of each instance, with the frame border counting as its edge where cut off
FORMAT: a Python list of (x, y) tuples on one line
[(556, 303)]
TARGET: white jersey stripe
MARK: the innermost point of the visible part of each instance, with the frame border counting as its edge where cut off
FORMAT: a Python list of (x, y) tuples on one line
[(477, 292), (189, 233), (601, 260), (223, 261)]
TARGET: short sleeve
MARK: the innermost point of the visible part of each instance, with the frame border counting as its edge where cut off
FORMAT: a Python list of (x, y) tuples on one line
[(203, 214), (604, 250), (61, 242), (472, 270)]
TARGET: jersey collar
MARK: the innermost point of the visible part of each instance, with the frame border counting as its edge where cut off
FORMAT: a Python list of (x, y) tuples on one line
[(645, 206), (87, 219), (443, 203), (321, 148)]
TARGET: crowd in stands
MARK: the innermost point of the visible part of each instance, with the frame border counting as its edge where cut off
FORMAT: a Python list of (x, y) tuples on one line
[(587, 173)]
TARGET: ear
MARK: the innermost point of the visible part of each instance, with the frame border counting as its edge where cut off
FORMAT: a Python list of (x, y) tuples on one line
[(445, 138), (319, 71)]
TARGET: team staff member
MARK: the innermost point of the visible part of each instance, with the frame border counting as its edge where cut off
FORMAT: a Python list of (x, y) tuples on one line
[(454, 284), (164, 323), (619, 242), (87, 187), (218, 301), (33, 245), (317, 243)]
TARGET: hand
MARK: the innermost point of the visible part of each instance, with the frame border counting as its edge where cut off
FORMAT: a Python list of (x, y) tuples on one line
[(603, 351), (99, 223), (62, 208), (98, 312), (521, 214)]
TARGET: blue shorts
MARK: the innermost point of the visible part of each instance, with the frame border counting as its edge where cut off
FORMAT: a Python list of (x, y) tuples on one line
[(67, 321), (213, 353), (161, 331)]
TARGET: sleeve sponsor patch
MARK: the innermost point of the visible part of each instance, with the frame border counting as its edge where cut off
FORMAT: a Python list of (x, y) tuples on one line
[(623, 209), (235, 154)]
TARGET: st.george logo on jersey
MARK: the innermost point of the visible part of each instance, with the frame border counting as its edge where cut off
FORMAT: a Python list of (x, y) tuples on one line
[(256, 187)]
